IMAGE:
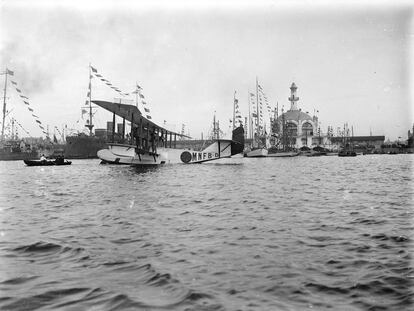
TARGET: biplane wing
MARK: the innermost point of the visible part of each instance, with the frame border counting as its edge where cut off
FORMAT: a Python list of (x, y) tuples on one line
[(132, 114)]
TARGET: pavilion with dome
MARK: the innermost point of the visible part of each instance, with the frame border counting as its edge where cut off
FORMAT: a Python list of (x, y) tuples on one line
[(297, 127)]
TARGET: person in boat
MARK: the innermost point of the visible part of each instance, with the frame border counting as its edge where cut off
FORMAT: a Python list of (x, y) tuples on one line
[(43, 158), (60, 159)]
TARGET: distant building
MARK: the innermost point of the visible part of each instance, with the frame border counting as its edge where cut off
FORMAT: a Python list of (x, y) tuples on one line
[(300, 128), (360, 143)]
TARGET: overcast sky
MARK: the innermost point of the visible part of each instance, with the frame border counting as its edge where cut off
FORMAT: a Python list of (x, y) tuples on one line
[(351, 62)]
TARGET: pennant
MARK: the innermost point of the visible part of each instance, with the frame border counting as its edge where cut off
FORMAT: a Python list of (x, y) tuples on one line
[(107, 83), (126, 94), (35, 115), (141, 95), (149, 117), (22, 96), (93, 69), (9, 72), (144, 102), (38, 122), (26, 102), (15, 83), (87, 102), (30, 109), (89, 94), (146, 110), (98, 75), (84, 111), (18, 90)]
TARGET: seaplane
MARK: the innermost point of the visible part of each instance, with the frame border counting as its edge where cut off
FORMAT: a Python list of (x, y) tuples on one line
[(152, 145)]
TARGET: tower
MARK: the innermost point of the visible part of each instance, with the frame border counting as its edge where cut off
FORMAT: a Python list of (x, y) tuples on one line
[(293, 98)]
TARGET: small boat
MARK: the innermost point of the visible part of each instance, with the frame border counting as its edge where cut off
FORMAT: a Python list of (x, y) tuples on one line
[(257, 153), (45, 162), (347, 153)]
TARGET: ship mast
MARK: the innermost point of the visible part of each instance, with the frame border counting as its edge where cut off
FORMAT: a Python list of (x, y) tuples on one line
[(234, 109), (257, 107), (90, 125), (4, 105)]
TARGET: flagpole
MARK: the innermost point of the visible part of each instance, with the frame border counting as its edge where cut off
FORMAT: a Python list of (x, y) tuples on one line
[(234, 108), (4, 107), (136, 95), (250, 117), (90, 101), (257, 106)]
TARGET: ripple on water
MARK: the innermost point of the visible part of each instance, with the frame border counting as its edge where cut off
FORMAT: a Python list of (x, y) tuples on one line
[(265, 234)]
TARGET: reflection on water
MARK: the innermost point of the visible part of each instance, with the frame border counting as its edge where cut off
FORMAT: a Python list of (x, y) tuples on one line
[(243, 234)]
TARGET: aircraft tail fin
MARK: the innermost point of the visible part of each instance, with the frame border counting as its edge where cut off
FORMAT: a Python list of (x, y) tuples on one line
[(237, 145)]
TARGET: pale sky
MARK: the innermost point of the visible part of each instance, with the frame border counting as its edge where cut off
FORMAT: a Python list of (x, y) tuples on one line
[(351, 61)]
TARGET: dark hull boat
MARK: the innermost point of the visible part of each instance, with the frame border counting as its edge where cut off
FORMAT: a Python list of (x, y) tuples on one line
[(347, 153), (45, 163)]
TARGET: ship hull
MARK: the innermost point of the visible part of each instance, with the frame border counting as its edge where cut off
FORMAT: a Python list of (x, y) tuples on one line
[(257, 153), (83, 147), (287, 154), (13, 156)]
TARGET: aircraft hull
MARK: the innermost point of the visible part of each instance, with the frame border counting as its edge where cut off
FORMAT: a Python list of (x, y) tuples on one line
[(126, 154)]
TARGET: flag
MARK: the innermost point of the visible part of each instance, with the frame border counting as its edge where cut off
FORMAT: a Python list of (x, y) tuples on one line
[(26, 102), (93, 69), (30, 109), (84, 111), (9, 72), (54, 138), (141, 95), (38, 122), (22, 96), (18, 90), (146, 110), (149, 117), (15, 83), (98, 75), (35, 115)]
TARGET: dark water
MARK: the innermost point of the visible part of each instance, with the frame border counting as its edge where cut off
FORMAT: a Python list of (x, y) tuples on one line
[(249, 234)]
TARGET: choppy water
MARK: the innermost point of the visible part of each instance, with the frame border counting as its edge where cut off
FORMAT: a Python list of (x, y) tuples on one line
[(248, 234)]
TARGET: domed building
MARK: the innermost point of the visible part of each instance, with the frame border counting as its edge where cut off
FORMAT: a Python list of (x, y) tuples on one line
[(294, 127)]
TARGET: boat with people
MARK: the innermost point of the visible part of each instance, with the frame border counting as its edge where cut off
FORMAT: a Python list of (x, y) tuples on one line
[(44, 162), (152, 145)]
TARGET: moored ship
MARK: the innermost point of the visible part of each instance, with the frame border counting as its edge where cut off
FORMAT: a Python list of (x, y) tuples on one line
[(16, 150), (83, 146)]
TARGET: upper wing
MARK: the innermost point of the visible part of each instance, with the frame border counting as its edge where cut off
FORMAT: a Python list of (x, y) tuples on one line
[(132, 114)]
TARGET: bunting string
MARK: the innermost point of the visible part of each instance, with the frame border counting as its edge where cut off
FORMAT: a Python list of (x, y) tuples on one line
[(106, 81), (25, 100)]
